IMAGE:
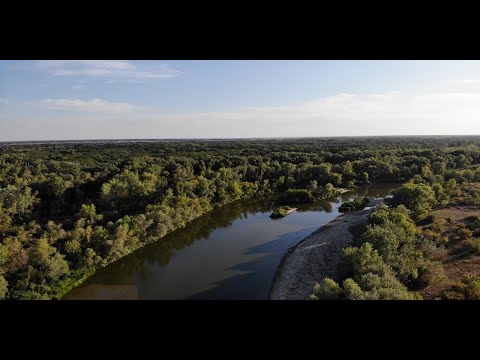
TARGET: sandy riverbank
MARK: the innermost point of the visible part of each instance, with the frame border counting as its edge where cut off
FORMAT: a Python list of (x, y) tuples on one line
[(315, 257)]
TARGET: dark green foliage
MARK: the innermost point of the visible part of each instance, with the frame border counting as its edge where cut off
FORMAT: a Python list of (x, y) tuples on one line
[(369, 277), (297, 196), (326, 290), (356, 204), (387, 262), (419, 198), (67, 209)]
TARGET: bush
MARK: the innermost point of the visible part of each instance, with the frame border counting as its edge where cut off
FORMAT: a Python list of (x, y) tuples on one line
[(384, 287), (431, 249), (464, 233), (280, 212), (420, 198), (328, 289), (439, 225), (394, 235), (361, 260), (352, 291), (466, 289), (452, 295), (473, 244), (433, 273), (357, 204)]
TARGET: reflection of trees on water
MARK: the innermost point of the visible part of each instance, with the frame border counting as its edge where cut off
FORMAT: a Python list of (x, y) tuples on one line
[(161, 252), (318, 206)]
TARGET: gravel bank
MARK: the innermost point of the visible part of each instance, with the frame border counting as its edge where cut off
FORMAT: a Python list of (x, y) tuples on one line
[(315, 257)]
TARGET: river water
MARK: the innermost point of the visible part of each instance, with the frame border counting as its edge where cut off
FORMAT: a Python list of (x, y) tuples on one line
[(228, 253)]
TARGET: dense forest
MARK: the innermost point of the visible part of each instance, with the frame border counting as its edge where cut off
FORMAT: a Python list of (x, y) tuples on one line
[(67, 209)]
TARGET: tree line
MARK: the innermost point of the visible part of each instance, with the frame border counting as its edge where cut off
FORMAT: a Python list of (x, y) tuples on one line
[(67, 209)]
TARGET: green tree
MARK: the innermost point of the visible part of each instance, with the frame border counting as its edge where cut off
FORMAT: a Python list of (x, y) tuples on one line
[(312, 186), (364, 178), (46, 261), (420, 198), (17, 200), (352, 291), (72, 247), (328, 289), (89, 213)]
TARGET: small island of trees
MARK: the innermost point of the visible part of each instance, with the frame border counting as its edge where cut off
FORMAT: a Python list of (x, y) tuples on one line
[(282, 212)]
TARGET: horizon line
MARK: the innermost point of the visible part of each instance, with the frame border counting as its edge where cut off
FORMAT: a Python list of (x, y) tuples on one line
[(226, 138)]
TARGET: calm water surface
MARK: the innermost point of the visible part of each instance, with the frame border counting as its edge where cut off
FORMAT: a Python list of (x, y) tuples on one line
[(229, 253)]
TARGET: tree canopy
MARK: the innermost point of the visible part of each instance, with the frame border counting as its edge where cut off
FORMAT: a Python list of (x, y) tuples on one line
[(69, 208)]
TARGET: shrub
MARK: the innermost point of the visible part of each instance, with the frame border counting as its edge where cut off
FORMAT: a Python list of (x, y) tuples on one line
[(473, 244), (452, 295), (362, 260), (420, 198), (464, 233), (440, 225), (280, 212), (328, 289), (352, 291), (384, 287), (430, 248), (468, 288), (433, 273), (356, 204)]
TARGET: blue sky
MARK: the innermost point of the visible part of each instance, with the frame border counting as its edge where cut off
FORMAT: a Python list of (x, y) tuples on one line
[(105, 99)]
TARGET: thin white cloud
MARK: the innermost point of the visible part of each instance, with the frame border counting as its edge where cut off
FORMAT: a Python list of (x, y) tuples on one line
[(94, 105), (389, 113), (113, 69), (3, 100)]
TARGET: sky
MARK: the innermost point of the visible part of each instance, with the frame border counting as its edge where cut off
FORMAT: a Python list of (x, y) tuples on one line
[(140, 99)]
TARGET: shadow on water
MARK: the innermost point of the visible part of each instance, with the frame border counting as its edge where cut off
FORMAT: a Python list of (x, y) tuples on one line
[(160, 253), (253, 283)]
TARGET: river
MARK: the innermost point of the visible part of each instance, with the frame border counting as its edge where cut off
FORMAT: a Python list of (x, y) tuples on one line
[(229, 253)]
